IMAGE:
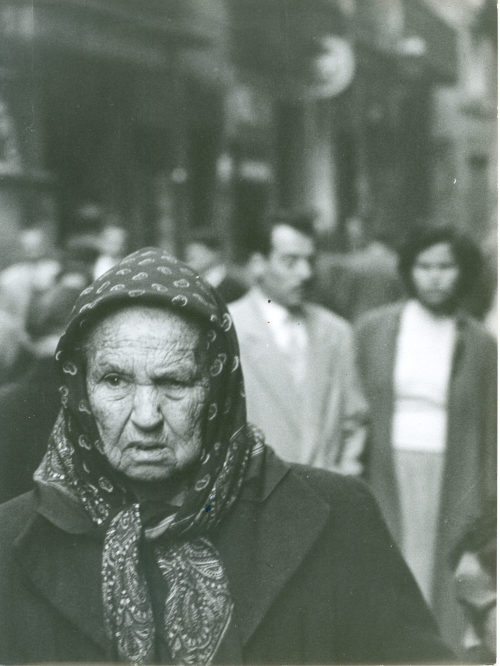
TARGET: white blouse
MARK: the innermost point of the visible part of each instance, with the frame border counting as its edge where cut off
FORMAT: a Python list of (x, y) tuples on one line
[(424, 356)]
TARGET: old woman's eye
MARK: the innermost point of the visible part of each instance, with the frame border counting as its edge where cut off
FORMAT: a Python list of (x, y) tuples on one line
[(172, 383), (113, 380)]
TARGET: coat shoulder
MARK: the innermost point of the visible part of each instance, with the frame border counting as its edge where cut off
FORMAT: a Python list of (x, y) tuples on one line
[(475, 329), (341, 492), (322, 317), (240, 304)]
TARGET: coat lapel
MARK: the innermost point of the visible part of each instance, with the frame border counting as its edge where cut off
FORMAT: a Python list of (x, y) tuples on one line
[(386, 347), (265, 541), (320, 381), (66, 570)]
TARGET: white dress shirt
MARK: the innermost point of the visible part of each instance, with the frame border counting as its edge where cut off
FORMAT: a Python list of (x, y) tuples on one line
[(290, 334)]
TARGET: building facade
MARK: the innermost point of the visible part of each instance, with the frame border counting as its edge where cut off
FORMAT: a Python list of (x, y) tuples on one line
[(181, 114), (111, 103)]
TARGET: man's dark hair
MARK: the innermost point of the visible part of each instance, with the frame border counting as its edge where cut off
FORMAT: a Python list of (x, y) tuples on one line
[(299, 219), (481, 539), (465, 251)]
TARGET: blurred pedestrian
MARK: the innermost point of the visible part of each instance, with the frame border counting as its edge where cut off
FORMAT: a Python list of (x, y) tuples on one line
[(429, 373), (98, 231), (482, 299), (204, 254), (301, 380), (362, 278), (15, 350), (30, 402), (474, 562), (112, 243), (35, 272)]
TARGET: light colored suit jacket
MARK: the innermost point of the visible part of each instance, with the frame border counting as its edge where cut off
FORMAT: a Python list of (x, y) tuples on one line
[(321, 423)]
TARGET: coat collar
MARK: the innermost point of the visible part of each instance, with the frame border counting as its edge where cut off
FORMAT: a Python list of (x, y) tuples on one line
[(262, 543), (265, 540), (386, 353), (63, 570)]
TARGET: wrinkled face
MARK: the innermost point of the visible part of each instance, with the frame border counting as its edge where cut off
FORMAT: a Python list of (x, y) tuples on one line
[(147, 387), (289, 267), (476, 591), (436, 275)]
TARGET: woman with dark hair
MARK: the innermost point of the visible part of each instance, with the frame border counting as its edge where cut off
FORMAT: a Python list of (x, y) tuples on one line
[(429, 372), (454, 251), (163, 530)]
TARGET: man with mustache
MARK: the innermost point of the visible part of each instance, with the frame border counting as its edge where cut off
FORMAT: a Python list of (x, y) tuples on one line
[(301, 383)]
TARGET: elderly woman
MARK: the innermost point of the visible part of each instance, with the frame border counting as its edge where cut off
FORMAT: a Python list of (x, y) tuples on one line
[(429, 372), (163, 530)]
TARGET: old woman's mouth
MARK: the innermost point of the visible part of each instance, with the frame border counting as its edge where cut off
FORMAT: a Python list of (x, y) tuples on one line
[(148, 451), (147, 446)]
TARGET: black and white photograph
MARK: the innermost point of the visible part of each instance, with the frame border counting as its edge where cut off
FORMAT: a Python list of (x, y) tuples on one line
[(248, 332)]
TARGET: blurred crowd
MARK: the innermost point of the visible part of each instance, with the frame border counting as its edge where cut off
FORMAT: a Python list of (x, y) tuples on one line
[(363, 360)]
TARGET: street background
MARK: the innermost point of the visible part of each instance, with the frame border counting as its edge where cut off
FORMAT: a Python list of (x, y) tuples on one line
[(178, 115)]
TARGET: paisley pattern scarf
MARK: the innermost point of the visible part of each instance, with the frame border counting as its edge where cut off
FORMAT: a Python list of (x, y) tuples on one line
[(198, 607)]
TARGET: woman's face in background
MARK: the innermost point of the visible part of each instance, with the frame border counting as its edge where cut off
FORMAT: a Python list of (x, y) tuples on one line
[(436, 275), (147, 387)]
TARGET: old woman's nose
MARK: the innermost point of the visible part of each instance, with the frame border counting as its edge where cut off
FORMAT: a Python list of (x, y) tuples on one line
[(146, 413)]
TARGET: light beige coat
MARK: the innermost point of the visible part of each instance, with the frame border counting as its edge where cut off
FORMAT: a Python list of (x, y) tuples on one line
[(321, 423)]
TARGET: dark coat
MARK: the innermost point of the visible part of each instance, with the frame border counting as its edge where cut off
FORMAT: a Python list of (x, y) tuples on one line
[(28, 409), (470, 463), (313, 573)]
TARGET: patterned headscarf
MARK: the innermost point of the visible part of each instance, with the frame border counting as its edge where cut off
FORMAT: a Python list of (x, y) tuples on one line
[(198, 608)]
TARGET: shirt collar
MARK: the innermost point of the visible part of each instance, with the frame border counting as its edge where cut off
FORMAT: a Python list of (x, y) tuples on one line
[(270, 309)]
